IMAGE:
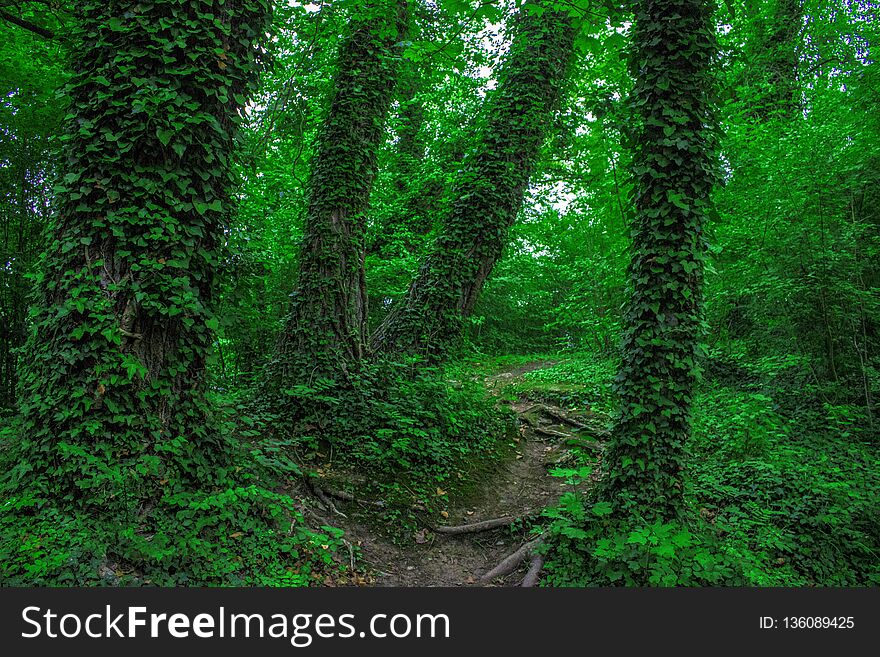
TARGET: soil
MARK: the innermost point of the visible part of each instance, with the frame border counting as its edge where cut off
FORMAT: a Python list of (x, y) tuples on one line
[(523, 486)]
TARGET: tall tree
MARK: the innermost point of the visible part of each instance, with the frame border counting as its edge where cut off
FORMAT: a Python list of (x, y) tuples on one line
[(673, 170), (323, 334), (113, 394), (775, 58), (413, 192), (488, 191), (770, 55), (32, 69)]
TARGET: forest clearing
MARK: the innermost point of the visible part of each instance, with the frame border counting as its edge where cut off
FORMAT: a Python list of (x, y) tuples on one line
[(459, 293)]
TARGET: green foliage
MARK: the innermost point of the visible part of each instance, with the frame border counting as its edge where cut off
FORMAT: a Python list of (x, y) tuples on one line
[(594, 548), (31, 70), (577, 380), (774, 495), (400, 418), (531, 151), (243, 536), (744, 423)]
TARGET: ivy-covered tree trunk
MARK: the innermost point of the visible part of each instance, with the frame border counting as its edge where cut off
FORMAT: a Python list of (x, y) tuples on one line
[(411, 148), (113, 393), (415, 190), (323, 335), (673, 170), (775, 60), (488, 191)]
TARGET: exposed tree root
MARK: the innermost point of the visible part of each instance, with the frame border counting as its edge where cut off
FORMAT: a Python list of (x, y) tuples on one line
[(534, 573), (472, 528), (559, 415), (323, 499), (583, 444), (511, 562), (323, 494), (552, 433), (345, 496), (528, 420)]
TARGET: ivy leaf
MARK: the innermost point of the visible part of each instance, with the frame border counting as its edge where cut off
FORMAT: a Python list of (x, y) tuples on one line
[(164, 135)]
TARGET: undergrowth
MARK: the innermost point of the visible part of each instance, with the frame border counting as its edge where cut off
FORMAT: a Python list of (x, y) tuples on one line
[(242, 533), (408, 436), (779, 495)]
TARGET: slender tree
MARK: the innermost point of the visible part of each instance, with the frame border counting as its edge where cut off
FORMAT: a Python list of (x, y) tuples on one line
[(414, 191), (774, 59), (673, 170), (323, 335), (113, 393), (488, 191)]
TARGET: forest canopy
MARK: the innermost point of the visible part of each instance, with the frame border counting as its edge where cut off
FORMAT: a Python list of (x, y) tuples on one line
[(439, 292)]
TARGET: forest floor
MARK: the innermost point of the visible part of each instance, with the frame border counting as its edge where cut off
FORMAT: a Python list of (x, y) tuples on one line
[(519, 489)]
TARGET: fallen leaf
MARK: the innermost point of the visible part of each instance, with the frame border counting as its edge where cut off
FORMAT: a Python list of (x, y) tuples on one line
[(445, 514), (236, 535), (440, 491), (420, 536)]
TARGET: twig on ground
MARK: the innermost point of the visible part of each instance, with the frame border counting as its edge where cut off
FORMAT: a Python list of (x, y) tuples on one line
[(350, 553)]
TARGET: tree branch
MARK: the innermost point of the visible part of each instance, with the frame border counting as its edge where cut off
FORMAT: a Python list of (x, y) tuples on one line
[(27, 25)]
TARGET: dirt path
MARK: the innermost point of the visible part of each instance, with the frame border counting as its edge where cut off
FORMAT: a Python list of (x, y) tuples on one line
[(522, 487)]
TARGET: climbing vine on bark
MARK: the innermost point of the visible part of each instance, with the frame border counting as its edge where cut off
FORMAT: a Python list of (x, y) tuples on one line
[(113, 396), (674, 169), (323, 336), (488, 190)]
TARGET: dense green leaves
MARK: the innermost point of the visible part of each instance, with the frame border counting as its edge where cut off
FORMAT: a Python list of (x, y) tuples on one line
[(534, 176)]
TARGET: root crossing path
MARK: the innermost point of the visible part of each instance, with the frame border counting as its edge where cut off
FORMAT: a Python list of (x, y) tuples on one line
[(482, 546)]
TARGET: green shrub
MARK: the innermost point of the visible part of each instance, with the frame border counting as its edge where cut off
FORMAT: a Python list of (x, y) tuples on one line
[(591, 548)]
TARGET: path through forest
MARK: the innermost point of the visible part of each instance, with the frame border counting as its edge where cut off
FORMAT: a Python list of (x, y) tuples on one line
[(521, 487)]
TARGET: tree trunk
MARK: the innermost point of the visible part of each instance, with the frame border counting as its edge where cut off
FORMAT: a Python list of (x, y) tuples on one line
[(488, 192), (775, 60), (673, 173), (113, 390), (323, 335)]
